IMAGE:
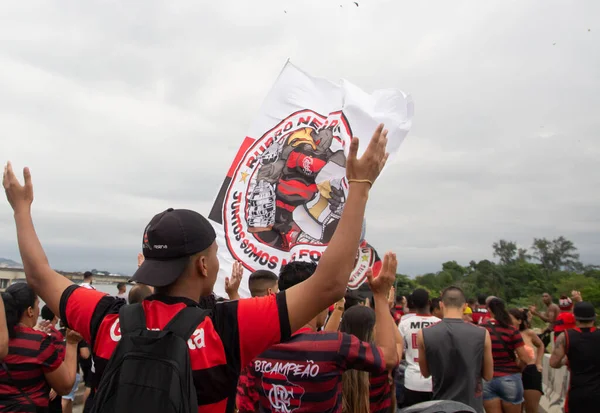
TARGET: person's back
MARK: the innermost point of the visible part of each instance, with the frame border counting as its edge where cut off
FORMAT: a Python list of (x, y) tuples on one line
[(305, 374), (456, 354), (581, 348), (181, 262), (417, 388)]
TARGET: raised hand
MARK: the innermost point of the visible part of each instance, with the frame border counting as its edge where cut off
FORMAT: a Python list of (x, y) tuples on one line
[(369, 166), (232, 284), (19, 196), (73, 337), (392, 297), (576, 296), (44, 326), (381, 285)]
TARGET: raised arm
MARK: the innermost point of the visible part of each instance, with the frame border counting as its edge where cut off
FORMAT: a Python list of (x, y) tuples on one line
[(328, 283), (541, 349), (333, 324), (3, 331), (385, 326), (47, 283), (232, 285), (62, 378)]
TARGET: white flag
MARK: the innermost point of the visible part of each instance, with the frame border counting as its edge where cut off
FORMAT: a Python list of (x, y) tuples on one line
[(285, 190)]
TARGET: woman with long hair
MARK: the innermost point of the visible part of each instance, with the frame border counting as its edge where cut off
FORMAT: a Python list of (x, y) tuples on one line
[(362, 392), (34, 364), (504, 393), (532, 373)]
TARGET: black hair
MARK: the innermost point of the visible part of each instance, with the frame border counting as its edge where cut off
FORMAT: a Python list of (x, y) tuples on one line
[(260, 281), (498, 309), (294, 273), (47, 313), (435, 304), (121, 285), (471, 301), (420, 299), (351, 301), (399, 299), (87, 275), (17, 299), (453, 297), (521, 316), (410, 302), (481, 299)]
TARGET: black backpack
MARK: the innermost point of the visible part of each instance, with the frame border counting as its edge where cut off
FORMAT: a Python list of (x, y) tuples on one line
[(150, 371)]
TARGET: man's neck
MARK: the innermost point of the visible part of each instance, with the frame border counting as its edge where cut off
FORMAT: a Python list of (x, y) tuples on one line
[(423, 311), (453, 313)]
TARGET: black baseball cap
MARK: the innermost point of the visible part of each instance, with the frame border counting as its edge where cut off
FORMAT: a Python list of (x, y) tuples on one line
[(584, 311), (169, 240)]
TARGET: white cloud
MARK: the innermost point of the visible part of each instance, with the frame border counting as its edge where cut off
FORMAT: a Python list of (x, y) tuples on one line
[(124, 109)]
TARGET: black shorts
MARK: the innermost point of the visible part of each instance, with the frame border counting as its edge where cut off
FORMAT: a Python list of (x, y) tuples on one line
[(412, 397), (532, 378)]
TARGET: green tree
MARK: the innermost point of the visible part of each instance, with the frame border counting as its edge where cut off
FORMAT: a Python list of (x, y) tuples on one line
[(506, 251), (556, 254)]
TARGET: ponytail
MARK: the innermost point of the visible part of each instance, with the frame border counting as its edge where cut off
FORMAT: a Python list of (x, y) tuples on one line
[(498, 309)]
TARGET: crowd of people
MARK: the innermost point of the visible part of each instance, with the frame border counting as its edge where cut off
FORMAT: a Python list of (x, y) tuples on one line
[(300, 344)]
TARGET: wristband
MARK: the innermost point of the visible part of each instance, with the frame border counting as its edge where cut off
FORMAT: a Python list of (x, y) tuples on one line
[(361, 181)]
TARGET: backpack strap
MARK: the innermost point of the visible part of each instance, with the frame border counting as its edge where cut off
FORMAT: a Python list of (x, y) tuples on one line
[(185, 322), (132, 318)]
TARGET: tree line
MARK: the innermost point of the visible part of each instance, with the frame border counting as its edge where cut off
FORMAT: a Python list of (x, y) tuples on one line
[(520, 276)]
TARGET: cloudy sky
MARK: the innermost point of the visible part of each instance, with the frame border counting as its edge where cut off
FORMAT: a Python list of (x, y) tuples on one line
[(114, 106)]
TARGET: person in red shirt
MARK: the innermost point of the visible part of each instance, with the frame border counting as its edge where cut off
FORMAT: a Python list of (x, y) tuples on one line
[(36, 361), (480, 310), (180, 261), (305, 373), (565, 319)]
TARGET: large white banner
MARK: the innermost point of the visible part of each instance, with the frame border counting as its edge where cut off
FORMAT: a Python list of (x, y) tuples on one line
[(285, 190)]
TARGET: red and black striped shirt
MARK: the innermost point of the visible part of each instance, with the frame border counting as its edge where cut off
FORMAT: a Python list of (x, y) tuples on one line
[(305, 374), (234, 333), (31, 353), (504, 364), (380, 392)]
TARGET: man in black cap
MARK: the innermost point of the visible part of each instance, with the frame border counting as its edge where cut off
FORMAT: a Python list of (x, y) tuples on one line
[(181, 262), (578, 349)]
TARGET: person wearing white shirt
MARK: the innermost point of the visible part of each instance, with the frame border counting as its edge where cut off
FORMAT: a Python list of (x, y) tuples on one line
[(417, 388), (88, 280)]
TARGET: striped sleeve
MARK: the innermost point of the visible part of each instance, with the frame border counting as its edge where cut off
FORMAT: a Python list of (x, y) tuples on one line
[(51, 355), (516, 340), (360, 355)]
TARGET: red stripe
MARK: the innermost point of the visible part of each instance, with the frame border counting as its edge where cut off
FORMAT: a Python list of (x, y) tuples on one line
[(297, 188), (240, 154), (285, 206)]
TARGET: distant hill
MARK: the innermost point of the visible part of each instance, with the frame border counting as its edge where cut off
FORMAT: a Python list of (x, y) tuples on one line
[(6, 263)]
